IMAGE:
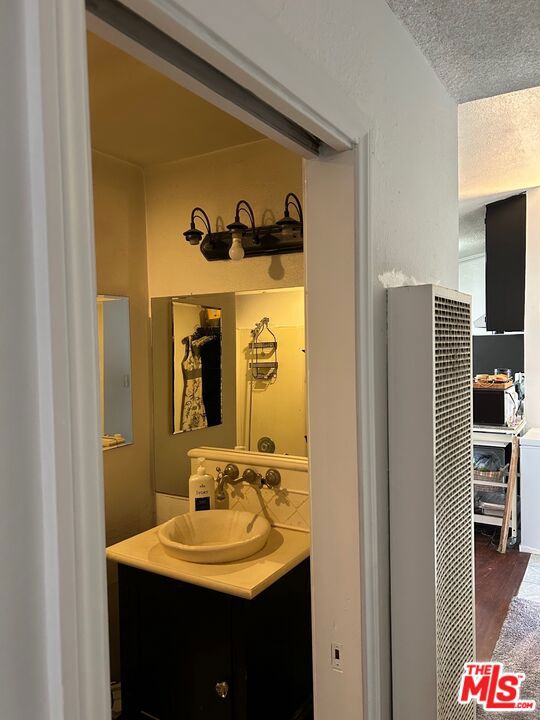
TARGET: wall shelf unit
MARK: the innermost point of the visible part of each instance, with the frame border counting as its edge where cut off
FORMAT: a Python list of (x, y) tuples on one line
[(498, 437)]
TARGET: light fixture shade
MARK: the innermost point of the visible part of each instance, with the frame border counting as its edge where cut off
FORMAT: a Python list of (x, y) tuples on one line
[(193, 236), (289, 226), (237, 227)]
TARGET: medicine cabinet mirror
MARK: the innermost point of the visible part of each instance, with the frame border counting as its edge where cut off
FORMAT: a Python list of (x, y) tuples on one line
[(114, 342)]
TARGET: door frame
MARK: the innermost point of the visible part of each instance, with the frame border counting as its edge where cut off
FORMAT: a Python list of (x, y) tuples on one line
[(61, 208)]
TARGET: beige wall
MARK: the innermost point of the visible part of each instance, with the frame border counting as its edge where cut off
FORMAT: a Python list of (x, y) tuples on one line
[(261, 173), (119, 217)]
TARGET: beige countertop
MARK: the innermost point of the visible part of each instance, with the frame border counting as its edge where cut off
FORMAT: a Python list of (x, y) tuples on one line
[(247, 578)]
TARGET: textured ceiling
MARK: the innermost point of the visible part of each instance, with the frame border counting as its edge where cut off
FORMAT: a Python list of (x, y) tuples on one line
[(479, 48), (499, 155), (499, 144), (143, 117)]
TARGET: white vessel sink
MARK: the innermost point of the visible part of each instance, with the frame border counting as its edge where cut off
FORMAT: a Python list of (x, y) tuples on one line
[(214, 536)]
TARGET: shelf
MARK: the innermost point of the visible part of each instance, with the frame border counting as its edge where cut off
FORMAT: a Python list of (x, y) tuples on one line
[(491, 483), (497, 386), (496, 436), (488, 519), (266, 344)]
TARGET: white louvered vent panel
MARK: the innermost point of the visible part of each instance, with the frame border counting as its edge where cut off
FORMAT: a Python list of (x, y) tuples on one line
[(453, 502)]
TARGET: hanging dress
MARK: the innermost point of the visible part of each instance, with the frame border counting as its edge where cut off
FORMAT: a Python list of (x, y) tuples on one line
[(193, 411)]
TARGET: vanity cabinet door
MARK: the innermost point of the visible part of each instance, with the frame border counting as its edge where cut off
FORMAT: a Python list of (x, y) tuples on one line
[(204, 688), (176, 650), (272, 650)]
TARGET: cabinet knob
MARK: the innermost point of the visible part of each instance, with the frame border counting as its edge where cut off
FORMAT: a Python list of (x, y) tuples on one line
[(222, 689)]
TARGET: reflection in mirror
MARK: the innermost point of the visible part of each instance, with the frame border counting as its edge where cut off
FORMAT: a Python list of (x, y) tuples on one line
[(197, 366), (271, 373), (114, 370)]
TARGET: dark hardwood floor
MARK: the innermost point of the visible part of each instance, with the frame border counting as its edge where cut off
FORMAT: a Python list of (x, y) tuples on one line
[(498, 578)]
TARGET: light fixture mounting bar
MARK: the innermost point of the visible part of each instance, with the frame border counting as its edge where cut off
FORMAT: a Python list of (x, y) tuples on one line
[(264, 240)]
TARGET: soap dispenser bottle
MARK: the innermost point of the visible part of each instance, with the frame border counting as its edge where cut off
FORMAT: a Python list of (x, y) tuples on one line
[(201, 489)]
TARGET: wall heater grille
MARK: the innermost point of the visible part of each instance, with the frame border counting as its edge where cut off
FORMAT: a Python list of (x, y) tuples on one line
[(453, 504), (431, 511)]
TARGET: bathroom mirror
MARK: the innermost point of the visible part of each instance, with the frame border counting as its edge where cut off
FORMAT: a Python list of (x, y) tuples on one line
[(196, 387), (114, 342), (260, 381)]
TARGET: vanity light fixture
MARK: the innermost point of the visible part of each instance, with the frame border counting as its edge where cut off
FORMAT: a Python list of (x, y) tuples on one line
[(240, 240)]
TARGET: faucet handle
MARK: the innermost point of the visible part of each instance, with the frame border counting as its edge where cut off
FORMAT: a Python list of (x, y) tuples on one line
[(232, 472), (253, 478), (272, 478)]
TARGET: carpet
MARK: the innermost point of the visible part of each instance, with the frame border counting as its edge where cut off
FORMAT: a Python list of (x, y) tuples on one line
[(518, 648)]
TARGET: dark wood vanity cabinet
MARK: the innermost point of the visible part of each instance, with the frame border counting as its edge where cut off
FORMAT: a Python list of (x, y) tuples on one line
[(189, 653)]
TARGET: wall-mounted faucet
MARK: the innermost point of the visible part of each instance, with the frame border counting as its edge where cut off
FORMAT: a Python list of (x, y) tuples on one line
[(230, 474)]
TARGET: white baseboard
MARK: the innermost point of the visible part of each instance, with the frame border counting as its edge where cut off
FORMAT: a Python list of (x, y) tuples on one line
[(527, 549)]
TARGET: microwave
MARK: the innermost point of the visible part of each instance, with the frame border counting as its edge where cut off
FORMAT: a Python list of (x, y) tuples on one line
[(494, 407)]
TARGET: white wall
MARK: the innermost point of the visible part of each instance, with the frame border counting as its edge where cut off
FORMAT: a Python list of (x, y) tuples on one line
[(365, 49), (23, 667), (472, 280), (532, 310)]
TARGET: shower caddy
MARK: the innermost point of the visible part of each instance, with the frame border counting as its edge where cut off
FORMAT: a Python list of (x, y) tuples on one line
[(264, 364)]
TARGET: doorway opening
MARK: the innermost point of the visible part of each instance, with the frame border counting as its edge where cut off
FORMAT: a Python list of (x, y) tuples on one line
[(202, 366)]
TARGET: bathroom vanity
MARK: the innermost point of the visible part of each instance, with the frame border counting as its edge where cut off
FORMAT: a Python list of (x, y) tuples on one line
[(215, 642)]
